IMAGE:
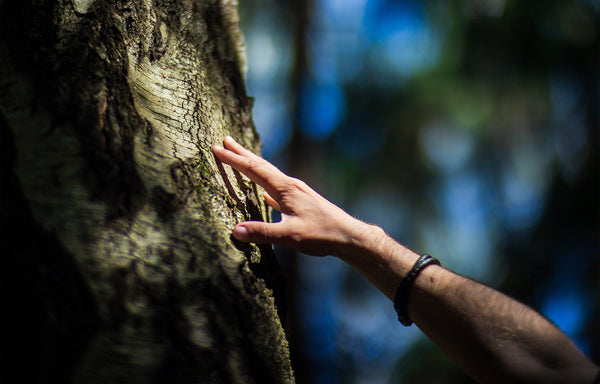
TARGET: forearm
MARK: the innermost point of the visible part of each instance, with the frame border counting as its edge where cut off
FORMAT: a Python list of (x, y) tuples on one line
[(494, 338)]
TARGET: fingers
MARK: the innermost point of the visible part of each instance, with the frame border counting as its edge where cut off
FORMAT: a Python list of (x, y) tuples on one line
[(256, 168), (259, 232), (236, 147), (271, 202)]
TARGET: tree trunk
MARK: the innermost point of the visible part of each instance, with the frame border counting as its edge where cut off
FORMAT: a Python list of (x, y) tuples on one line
[(116, 218)]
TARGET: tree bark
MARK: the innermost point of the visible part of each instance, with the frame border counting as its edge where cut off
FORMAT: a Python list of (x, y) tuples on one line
[(116, 218)]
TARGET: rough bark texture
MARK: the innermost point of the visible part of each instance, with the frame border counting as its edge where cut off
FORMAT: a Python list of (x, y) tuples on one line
[(116, 218)]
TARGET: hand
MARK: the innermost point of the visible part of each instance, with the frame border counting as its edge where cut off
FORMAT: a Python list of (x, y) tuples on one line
[(309, 224)]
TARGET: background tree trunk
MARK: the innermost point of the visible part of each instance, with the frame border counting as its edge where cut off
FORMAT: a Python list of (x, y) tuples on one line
[(116, 218)]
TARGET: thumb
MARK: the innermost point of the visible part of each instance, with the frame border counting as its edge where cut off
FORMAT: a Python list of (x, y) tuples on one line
[(258, 232)]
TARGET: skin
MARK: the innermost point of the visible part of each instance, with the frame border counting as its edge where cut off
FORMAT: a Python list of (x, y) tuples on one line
[(493, 337)]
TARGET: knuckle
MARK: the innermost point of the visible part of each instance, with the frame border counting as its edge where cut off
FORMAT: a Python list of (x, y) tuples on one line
[(259, 231), (290, 185), (265, 232), (296, 234), (297, 237), (301, 186), (296, 182), (254, 163)]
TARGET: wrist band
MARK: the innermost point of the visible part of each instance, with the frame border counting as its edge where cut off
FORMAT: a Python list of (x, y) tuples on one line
[(401, 296)]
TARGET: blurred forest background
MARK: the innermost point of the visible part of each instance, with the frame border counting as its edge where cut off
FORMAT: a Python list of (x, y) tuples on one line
[(466, 129)]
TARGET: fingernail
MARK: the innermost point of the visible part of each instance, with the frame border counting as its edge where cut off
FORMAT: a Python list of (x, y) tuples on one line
[(217, 146), (228, 138), (240, 232)]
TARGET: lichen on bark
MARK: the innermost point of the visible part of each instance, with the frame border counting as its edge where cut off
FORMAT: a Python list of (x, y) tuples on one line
[(111, 109)]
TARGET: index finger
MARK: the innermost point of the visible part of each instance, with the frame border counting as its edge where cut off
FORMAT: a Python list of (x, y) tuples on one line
[(255, 167)]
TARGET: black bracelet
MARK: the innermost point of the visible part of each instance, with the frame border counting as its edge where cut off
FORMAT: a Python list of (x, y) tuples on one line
[(401, 296)]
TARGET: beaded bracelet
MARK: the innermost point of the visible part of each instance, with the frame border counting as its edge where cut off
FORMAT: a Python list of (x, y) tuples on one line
[(401, 296)]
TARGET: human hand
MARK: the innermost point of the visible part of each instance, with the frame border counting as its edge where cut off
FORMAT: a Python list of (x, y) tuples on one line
[(309, 224)]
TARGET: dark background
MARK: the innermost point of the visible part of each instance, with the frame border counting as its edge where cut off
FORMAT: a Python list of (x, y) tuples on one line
[(466, 129)]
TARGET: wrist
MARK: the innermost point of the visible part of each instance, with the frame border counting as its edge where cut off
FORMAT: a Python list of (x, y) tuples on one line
[(378, 257), (359, 238)]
